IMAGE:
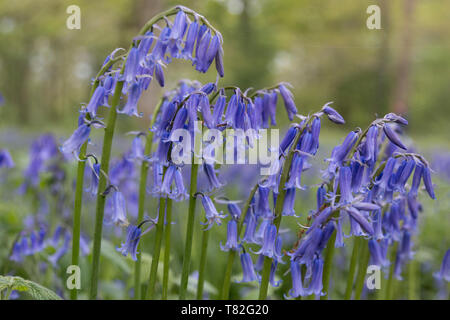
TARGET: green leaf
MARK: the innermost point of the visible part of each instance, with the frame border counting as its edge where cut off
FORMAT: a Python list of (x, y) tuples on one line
[(110, 253), (35, 290)]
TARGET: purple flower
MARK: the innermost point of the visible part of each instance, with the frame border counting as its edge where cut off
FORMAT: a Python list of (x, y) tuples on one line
[(393, 137), (131, 65), (159, 74), (249, 274), (289, 203), (316, 286), (211, 213), (427, 182), (130, 107), (444, 272), (288, 102), (332, 114), (95, 175), (210, 172), (376, 254), (190, 41), (234, 210), (268, 247), (295, 174), (73, 144), (61, 251), (415, 184), (360, 219), (345, 180), (118, 210), (297, 285), (232, 238), (6, 160), (97, 99), (249, 235), (131, 243)]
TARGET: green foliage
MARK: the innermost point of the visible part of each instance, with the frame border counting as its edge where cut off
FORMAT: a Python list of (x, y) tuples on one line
[(35, 290)]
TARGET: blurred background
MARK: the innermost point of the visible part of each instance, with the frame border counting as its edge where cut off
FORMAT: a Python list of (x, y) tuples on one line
[(323, 48)]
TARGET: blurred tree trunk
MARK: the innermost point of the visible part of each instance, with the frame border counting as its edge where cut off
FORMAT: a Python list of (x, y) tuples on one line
[(402, 85)]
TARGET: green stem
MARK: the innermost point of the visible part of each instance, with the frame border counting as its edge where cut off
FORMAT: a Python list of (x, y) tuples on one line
[(165, 283), (190, 231), (327, 266), (278, 211), (156, 250), (104, 168), (141, 201), (390, 281), (232, 254), (202, 267), (351, 272), (412, 280), (76, 228), (364, 255)]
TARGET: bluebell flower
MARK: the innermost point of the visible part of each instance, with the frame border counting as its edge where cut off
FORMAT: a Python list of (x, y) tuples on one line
[(357, 169), (376, 254), (332, 114), (415, 184), (402, 176), (315, 132), (190, 41), (144, 46), (210, 54), (206, 112), (316, 286), (386, 174), (249, 235), (268, 247), (61, 251), (130, 107), (297, 283), (179, 28), (231, 110), (289, 203), (137, 148), (234, 210), (295, 174), (232, 238), (371, 145), (288, 139), (80, 136), (201, 51), (326, 234), (339, 243), (249, 274), (444, 272), (159, 74), (263, 205), (169, 177), (131, 65), (393, 137), (261, 232), (396, 118), (288, 102), (219, 62), (131, 243), (211, 213), (360, 219), (219, 107), (117, 209), (157, 178), (6, 160), (210, 172), (97, 100), (427, 182), (345, 181), (320, 218), (179, 193), (273, 270), (160, 48)]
